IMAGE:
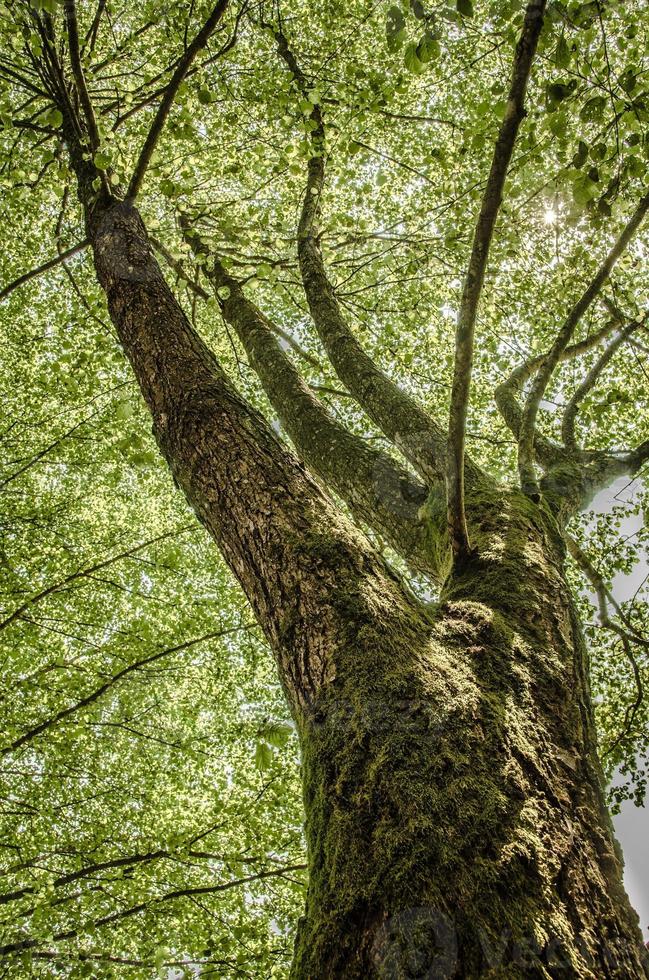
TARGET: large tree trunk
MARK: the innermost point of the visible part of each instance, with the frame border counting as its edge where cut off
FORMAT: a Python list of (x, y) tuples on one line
[(455, 818)]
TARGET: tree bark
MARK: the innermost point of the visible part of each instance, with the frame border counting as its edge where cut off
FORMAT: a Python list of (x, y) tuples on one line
[(455, 817), (456, 821)]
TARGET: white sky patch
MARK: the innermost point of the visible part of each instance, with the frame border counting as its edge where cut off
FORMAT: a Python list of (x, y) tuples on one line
[(632, 822), (448, 311), (548, 406)]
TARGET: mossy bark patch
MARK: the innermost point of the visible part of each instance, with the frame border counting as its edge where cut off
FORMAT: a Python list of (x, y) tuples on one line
[(455, 816)]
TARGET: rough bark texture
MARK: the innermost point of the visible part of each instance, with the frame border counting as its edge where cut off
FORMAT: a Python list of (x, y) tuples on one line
[(377, 489), (303, 567), (455, 819), (455, 815)]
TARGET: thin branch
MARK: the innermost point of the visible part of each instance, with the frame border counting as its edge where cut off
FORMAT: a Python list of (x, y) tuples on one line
[(627, 633), (589, 382), (25, 944), (79, 76), (93, 31), (528, 478), (33, 460), (474, 281), (419, 437), (546, 451), (85, 572), (169, 96), (45, 267), (101, 690)]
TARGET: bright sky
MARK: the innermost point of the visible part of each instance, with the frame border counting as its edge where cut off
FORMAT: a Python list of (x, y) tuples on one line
[(632, 824)]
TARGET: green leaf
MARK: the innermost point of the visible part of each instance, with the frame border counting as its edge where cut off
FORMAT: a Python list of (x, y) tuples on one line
[(628, 79), (159, 960), (395, 22), (124, 410), (412, 61), (562, 53), (581, 155), (428, 49), (223, 292), (593, 109), (558, 91), (168, 187), (465, 7), (277, 733), (263, 756)]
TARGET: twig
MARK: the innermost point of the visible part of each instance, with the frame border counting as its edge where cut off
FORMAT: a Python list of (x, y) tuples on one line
[(628, 635)]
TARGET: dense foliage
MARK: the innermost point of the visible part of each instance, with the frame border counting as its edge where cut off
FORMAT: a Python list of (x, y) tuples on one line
[(149, 777)]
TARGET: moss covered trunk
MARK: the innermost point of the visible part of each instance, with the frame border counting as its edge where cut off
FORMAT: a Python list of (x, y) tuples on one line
[(455, 816)]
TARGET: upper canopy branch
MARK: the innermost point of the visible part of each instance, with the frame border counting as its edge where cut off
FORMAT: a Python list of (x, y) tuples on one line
[(78, 73), (169, 96), (571, 475), (589, 382), (405, 423), (378, 490), (546, 369), (474, 280)]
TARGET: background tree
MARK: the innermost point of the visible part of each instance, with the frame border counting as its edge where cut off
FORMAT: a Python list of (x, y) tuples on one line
[(328, 188)]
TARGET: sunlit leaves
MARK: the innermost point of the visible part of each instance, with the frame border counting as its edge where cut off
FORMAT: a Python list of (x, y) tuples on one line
[(412, 96)]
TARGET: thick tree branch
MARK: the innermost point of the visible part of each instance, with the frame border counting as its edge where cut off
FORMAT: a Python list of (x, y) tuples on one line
[(400, 418), (538, 387), (295, 554), (639, 456), (378, 491), (474, 281), (169, 96)]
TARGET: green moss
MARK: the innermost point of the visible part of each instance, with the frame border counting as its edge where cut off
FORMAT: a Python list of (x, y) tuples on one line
[(433, 515), (434, 777)]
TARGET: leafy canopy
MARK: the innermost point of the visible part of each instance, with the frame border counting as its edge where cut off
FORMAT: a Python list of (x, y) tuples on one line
[(182, 773)]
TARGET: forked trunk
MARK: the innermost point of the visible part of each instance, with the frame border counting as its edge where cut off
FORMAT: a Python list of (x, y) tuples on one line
[(455, 816)]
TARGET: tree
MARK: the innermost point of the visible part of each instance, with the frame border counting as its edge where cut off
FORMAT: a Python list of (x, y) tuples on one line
[(417, 599)]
